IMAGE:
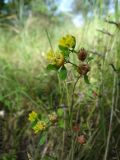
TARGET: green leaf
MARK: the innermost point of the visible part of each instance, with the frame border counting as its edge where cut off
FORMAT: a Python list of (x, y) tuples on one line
[(74, 41), (86, 79), (33, 123), (65, 54), (43, 139), (61, 123), (60, 112), (90, 58), (63, 73), (65, 51), (52, 67)]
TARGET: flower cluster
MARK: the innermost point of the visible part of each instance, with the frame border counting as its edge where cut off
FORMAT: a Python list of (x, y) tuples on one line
[(58, 59), (82, 54), (39, 125), (81, 139), (55, 58), (83, 68), (53, 117), (67, 41), (32, 116)]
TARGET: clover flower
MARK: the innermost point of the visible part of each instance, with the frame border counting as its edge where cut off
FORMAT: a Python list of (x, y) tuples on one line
[(53, 117), (32, 116), (40, 126), (82, 54), (55, 58), (83, 69), (81, 139), (68, 41)]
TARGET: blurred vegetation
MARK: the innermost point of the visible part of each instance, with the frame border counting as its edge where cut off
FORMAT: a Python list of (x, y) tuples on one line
[(26, 85)]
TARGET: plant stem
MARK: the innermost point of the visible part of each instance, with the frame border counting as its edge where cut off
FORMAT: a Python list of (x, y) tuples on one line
[(72, 103), (49, 39), (111, 116), (72, 64)]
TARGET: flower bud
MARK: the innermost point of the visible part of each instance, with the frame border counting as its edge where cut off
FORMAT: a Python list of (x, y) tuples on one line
[(53, 117), (81, 139), (82, 54), (83, 69)]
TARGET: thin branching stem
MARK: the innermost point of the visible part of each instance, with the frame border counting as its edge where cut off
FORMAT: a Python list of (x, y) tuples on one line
[(72, 102), (111, 117), (72, 64), (46, 31)]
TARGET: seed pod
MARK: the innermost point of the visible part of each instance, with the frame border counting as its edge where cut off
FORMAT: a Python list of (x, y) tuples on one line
[(81, 139), (83, 69), (82, 54)]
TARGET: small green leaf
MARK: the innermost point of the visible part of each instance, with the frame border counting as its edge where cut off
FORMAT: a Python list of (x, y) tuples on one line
[(65, 51), (86, 79), (52, 67), (90, 58), (43, 139), (33, 123), (65, 54), (60, 112), (61, 123), (74, 42), (63, 73)]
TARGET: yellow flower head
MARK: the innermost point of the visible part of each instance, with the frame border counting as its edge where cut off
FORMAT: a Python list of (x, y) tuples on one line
[(68, 41), (40, 126), (53, 117), (32, 116), (55, 58)]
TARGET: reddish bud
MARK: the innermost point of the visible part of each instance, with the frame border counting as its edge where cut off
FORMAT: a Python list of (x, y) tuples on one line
[(83, 69), (81, 139), (82, 54)]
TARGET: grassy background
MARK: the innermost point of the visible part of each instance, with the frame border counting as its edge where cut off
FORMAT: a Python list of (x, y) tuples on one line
[(26, 85)]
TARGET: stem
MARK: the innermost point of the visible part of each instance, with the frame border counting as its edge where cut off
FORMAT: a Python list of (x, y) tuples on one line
[(94, 52), (72, 63), (64, 136), (105, 32), (113, 105), (73, 51), (112, 22), (49, 39), (111, 118), (72, 103)]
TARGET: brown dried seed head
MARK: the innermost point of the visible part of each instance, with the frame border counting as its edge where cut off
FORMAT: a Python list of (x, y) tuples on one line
[(82, 54), (83, 69), (81, 139)]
